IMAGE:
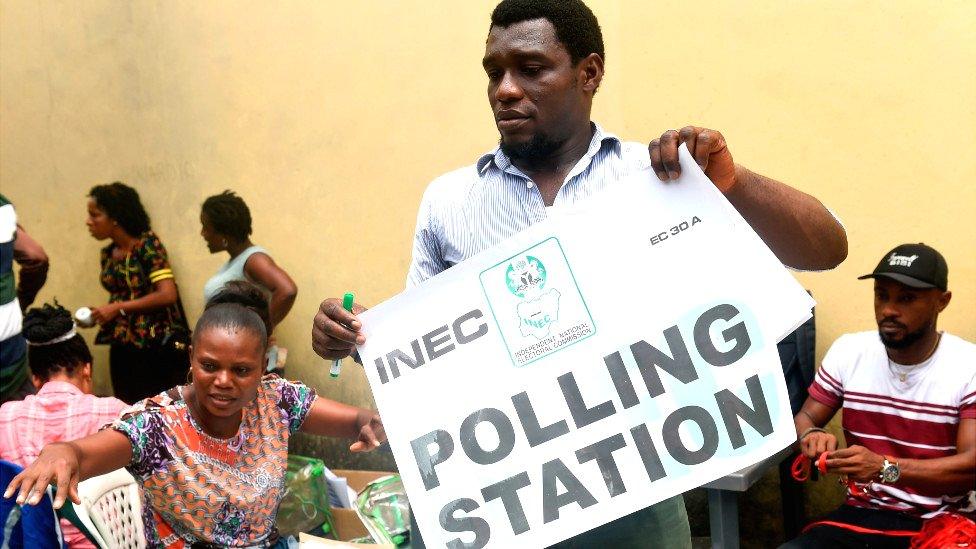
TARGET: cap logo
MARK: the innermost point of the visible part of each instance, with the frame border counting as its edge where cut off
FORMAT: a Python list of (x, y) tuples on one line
[(901, 260)]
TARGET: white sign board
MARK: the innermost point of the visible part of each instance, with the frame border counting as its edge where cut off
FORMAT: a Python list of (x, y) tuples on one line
[(603, 360)]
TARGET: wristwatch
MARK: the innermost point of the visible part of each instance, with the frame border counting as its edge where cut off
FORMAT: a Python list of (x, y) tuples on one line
[(890, 472)]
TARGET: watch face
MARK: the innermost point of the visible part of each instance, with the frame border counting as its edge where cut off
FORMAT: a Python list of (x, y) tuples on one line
[(891, 473)]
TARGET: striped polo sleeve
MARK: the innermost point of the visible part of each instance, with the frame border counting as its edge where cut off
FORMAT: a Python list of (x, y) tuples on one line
[(828, 385), (967, 405)]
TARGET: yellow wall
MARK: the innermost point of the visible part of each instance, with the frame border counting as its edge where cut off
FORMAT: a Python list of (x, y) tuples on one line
[(331, 120)]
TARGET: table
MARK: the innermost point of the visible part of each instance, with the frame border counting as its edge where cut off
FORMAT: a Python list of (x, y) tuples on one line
[(723, 499)]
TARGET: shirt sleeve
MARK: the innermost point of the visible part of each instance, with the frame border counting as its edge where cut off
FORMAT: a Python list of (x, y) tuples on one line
[(828, 385), (152, 255), (146, 431), (294, 400), (967, 405), (427, 259)]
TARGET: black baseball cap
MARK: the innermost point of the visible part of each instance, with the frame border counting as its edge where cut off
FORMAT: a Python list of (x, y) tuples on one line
[(914, 265)]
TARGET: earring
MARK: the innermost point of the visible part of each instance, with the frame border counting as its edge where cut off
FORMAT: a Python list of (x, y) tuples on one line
[(189, 376), (225, 242)]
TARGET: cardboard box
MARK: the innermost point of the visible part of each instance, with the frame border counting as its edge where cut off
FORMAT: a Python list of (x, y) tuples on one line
[(346, 521)]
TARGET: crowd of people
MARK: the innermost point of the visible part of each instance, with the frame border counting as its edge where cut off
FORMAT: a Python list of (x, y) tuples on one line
[(204, 410), (197, 410)]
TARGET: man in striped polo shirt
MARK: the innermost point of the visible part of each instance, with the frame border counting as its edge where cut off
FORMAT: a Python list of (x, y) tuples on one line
[(908, 392), (16, 246)]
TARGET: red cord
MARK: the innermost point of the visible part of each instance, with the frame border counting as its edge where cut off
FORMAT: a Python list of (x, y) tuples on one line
[(860, 529), (946, 530)]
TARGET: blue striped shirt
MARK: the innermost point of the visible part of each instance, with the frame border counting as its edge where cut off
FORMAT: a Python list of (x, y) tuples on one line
[(474, 208)]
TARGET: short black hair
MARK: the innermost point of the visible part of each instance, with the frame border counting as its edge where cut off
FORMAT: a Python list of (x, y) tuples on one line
[(576, 26), (228, 214), (41, 326), (121, 203), (231, 316), (247, 294)]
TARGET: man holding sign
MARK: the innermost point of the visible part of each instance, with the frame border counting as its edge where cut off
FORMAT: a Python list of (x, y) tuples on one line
[(544, 62)]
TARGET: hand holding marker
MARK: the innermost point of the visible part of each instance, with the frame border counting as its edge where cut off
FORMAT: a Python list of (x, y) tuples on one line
[(347, 305)]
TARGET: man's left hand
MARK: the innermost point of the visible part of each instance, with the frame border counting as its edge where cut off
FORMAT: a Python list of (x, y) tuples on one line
[(706, 146), (857, 462)]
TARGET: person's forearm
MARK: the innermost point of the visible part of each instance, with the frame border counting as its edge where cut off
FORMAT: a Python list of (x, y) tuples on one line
[(802, 422), (158, 299), (32, 276), (281, 303), (33, 263), (335, 419), (101, 452), (795, 226), (951, 475), (260, 268)]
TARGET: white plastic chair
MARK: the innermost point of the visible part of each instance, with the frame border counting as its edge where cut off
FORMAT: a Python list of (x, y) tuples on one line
[(111, 509)]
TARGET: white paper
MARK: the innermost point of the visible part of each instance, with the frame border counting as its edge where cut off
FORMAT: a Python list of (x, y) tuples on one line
[(340, 494), (633, 269)]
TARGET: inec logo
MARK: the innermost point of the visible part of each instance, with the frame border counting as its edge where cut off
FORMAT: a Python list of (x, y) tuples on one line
[(525, 274), (526, 278), (536, 303)]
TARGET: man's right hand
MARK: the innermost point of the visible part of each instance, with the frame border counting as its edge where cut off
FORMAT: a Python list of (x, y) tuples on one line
[(817, 443), (336, 331)]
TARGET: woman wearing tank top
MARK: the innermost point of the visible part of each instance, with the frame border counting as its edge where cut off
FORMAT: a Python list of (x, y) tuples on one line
[(226, 227)]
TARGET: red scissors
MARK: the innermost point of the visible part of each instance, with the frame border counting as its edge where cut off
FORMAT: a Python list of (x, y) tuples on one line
[(801, 471)]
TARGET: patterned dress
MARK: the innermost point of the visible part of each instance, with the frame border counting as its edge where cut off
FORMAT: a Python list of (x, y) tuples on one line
[(199, 488), (131, 278)]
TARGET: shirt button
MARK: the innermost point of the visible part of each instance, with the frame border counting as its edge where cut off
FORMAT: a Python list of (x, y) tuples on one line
[(528, 184)]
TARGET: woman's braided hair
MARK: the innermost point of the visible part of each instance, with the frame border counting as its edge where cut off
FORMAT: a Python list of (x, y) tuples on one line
[(44, 324)]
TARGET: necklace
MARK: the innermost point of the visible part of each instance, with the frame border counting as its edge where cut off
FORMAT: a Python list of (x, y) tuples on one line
[(902, 371), (193, 408)]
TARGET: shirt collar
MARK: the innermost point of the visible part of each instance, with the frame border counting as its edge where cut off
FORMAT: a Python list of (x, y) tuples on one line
[(52, 387), (501, 161)]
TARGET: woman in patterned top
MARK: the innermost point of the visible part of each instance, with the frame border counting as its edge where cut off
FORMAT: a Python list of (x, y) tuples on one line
[(143, 322), (210, 456)]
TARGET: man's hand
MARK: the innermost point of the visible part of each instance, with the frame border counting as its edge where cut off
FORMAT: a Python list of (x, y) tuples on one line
[(706, 146), (811, 417), (371, 434), (106, 313), (336, 331), (857, 462), (817, 443), (57, 463)]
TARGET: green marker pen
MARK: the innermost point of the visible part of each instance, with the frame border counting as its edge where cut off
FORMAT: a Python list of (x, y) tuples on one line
[(347, 305)]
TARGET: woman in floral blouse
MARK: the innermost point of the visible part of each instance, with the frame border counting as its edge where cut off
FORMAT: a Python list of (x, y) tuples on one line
[(210, 456), (143, 322)]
